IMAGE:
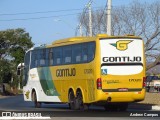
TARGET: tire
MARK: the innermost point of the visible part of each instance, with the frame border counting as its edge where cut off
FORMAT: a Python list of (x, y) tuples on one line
[(36, 103), (80, 104), (76, 103), (71, 100)]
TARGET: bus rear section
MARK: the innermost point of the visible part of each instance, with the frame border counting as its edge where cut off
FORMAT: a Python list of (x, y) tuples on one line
[(122, 70)]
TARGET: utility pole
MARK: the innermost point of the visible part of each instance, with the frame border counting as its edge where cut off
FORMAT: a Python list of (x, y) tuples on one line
[(90, 18), (109, 4)]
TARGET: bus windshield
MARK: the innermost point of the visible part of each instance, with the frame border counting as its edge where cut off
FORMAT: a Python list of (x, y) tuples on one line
[(121, 56)]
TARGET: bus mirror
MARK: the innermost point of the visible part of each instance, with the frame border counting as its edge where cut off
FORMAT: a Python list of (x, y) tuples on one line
[(18, 71), (19, 68)]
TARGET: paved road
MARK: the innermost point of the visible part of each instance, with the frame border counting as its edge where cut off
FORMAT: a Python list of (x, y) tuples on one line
[(16, 103)]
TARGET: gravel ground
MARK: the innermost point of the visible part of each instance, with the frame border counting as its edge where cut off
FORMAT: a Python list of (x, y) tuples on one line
[(151, 98)]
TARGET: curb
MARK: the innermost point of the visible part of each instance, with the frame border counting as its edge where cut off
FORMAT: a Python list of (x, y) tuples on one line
[(144, 107), (156, 107)]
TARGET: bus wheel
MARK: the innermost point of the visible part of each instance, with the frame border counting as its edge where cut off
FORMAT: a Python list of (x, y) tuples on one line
[(36, 103), (80, 105), (71, 100)]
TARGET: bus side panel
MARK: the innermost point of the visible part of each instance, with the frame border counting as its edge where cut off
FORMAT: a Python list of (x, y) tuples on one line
[(75, 77), (38, 81)]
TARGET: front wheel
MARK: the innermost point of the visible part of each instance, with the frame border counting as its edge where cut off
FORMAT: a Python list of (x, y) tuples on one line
[(36, 103)]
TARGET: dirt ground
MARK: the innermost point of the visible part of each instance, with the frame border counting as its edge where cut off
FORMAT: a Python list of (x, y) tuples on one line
[(151, 98)]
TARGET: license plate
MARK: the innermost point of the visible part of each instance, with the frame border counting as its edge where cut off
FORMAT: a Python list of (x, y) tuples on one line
[(122, 89)]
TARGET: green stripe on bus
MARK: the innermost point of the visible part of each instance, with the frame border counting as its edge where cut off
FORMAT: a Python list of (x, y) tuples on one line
[(47, 82)]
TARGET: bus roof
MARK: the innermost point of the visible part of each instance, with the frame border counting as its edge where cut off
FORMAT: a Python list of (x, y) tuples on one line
[(74, 39), (83, 38), (99, 36)]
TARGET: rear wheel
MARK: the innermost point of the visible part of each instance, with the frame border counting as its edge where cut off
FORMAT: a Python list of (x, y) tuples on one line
[(71, 98), (36, 103), (76, 102), (80, 103)]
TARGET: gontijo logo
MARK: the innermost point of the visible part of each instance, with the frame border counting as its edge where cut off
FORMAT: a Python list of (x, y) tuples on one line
[(121, 44)]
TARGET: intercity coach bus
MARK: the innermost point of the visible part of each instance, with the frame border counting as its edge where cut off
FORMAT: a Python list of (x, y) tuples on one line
[(80, 71)]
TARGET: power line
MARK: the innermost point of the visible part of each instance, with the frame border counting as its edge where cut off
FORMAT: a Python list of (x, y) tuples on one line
[(43, 17), (34, 18), (39, 12), (5, 14)]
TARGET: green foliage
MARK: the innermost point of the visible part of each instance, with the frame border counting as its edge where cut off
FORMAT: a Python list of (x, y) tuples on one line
[(13, 44), (4, 71)]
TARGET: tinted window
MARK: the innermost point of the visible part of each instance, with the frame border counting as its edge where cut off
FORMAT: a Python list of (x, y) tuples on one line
[(70, 54), (85, 52), (77, 53), (42, 57), (26, 68), (67, 54), (50, 56), (57, 56), (34, 58), (91, 51), (47, 58)]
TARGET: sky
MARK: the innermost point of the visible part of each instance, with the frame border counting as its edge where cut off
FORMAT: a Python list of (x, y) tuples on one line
[(48, 20)]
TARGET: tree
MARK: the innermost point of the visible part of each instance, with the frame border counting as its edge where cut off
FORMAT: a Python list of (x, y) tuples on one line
[(13, 44), (140, 19), (12, 39), (4, 71)]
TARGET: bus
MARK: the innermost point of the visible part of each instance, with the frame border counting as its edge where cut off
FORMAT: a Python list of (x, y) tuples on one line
[(80, 71)]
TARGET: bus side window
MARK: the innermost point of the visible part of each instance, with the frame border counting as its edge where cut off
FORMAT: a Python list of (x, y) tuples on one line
[(42, 57), (34, 58), (91, 51), (26, 68), (84, 52), (77, 53), (47, 58), (57, 55), (67, 54), (50, 57)]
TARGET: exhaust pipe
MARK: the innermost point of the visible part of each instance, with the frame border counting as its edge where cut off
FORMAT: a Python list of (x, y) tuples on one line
[(109, 99)]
